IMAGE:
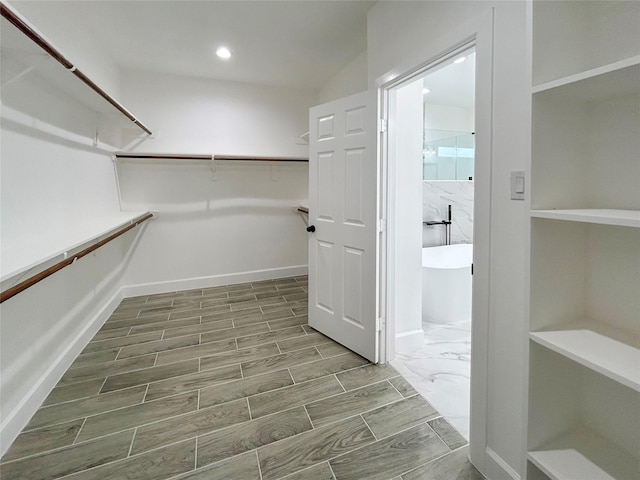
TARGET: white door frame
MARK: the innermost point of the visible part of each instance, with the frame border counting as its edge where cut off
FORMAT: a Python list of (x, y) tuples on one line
[(482, 39)]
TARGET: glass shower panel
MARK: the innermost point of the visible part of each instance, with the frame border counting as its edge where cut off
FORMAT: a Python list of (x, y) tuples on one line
[(448, 155)]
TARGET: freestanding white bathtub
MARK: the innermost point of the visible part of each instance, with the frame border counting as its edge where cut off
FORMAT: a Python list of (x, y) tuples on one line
[(446, 283)]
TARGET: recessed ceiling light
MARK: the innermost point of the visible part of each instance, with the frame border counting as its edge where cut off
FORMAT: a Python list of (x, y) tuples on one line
[(460, 60), (223, 52), (425, 90)]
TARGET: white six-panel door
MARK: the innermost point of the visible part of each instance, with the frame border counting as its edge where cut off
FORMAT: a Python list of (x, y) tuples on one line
[(343, 178)]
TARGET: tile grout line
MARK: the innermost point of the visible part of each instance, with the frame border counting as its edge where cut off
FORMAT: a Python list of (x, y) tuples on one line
[(75, 439), (332, 472), (369, 426), (258, 461)]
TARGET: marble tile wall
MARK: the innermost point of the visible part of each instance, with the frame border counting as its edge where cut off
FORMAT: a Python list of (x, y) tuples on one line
[(436, 196)]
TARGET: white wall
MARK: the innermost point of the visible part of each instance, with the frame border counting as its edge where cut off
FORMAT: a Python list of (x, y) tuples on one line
[(240, 222), (423, 31), (67, 36), (349, 80), (447, 117), (407, 215), (54, 184)]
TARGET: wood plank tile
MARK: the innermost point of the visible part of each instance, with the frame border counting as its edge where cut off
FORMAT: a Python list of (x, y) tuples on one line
[(74, 391), (234, 332), (133, 322), (194, 381), (288, 322), (147, 375), (198, 312), (269, 337), (62, 412), (303, 342), (390, 457), (322, 471), (228, 315), (203, 421), (169, 324), (329, 350), (137, 415), (447, 433), (394, 418), (278, 362), (244, 388), (454, 465), (403, 386), (160, 464), (242, 467), (107, 334), (359, 377), (196, 351), (351, 403), (198, 328), (122, 341), (329, 366), (279, 314), (102, 356), (257, 303), (43, 439), (244, 355), (293, 396), (105, 369), (159, 346), (278, 293), (312, 447), (302, 309), (69, 459), (250, 435)]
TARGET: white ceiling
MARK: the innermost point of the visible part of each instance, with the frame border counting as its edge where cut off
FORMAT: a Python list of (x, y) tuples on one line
[(453, 84), (298, 44)]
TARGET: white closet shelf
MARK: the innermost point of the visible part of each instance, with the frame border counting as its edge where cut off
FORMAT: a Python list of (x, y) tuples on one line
[(584, 454), (597, 351), (21, 256), (616, 78), (622, 218)]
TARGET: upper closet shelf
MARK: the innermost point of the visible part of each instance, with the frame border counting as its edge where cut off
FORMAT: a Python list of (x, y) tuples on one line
[(621, 218), (609, 357), (25, 50), (205, 157), (618, 78)]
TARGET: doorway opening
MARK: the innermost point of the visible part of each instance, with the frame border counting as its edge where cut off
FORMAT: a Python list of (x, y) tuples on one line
[(431, 153)]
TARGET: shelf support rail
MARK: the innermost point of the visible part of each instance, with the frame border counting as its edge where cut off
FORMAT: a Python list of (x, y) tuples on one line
[(206, 157), (29, 282), (31, 33)]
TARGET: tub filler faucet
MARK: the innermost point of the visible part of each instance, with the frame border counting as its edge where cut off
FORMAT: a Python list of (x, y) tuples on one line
[(446, 223)]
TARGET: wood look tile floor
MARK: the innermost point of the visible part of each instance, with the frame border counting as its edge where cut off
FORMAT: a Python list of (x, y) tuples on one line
[(231, 383)]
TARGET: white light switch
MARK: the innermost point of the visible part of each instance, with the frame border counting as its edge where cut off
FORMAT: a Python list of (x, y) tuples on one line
[(517, 185)]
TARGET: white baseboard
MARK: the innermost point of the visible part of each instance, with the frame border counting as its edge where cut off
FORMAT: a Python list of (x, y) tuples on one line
[(409, 341), (212, 281), (498, 469), (18, 418)]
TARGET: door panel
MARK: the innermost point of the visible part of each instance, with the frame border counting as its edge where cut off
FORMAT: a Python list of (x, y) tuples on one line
[(343, 178)]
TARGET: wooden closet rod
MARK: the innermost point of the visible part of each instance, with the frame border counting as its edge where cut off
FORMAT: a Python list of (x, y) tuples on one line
[(20, 287), (34, 36), (180, 156)]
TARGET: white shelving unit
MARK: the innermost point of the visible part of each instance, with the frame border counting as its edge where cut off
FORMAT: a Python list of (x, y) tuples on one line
[(584, 340)]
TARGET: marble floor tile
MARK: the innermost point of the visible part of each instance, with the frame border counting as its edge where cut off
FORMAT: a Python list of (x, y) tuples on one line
[(391, 456), (251, 435), (440, 370), (245, 385)]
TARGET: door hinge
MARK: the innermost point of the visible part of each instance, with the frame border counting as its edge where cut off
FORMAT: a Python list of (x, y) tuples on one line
[(380, 324), (382, 125), (472, 269), (382, 225)]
